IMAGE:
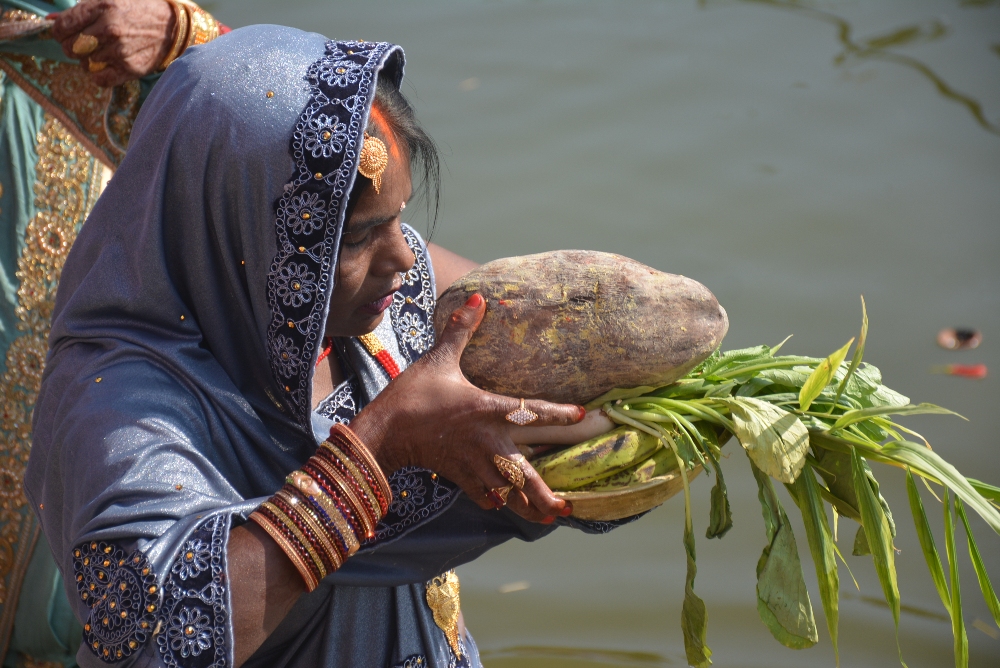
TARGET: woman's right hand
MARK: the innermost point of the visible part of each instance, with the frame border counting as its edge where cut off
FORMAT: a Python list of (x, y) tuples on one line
[(431, 416)]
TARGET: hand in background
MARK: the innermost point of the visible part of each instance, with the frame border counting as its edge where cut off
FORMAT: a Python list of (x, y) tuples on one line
[(133, 37)]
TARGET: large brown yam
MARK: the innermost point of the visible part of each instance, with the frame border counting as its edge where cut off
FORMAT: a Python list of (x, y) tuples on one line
[(568, 326)]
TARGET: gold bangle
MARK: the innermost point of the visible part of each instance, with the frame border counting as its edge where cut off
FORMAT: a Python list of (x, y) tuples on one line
[(331, 472), (331, 509), (308, 486), (362, 451), (204, 28), (293, 555), (290, 525), (180, 35), (310, 519), (368, 493)]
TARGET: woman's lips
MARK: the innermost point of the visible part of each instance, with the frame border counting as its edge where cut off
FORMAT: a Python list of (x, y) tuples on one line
[(376, 307)]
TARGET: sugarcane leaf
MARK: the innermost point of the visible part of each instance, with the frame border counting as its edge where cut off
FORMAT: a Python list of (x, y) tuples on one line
[(860, 414), (879, 539), (985, 585), (821, 376), (775, 439), (927, 544), (957, 619), (805, 491), (782, 599), (988, 491), (616, 394), (861, 547), (859, 351), (927, 461)]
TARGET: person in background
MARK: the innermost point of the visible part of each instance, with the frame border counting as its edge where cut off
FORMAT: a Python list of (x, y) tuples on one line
[(72, 79)]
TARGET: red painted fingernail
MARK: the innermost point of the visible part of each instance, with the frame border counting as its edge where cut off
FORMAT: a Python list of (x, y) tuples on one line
[(474, 301), (549, 519), (583, 413), (567, 510), (52, 15)]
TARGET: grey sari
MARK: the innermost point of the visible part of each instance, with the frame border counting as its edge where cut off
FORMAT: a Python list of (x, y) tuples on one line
[(177, 391)]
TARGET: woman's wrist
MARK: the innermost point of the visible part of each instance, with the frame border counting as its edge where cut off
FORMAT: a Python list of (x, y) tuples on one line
[(327, 508), (372, 429)]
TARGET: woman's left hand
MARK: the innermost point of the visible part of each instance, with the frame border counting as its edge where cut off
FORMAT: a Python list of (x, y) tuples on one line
[(133, 37)]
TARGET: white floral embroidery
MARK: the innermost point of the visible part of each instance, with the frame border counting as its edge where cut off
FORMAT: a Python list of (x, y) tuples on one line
[(286, 355), (324, 135), (306, 213), (413, 332), (295, 284), (193, 559), (189, 632)]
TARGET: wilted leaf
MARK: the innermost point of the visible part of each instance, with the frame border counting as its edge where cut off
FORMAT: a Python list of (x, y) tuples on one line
[(782, 598), (807, 496), (822, 376), (775, 439), (720, 514)]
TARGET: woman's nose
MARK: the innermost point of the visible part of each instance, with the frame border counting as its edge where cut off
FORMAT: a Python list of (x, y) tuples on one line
[(397, 257)]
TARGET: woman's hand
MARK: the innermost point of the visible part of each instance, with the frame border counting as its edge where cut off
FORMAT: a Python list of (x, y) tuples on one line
[(133, 37), (432, 416)]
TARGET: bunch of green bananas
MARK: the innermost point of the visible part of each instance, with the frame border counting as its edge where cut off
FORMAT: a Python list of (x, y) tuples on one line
[(619, 458)]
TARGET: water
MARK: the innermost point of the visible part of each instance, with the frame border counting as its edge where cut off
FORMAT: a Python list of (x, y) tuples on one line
[(791, 159)]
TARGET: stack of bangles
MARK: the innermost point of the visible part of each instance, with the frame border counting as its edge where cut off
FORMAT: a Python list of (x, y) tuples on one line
[(194, 26), (328, 508)]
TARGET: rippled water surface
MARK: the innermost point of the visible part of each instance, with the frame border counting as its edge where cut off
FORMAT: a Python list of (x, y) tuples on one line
[(789, 156)]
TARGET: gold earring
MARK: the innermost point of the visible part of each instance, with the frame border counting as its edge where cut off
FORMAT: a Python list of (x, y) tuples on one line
[(373, 160)]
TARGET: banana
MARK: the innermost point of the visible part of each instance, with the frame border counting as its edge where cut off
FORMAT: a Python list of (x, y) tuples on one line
[(595, 459), (660, 463)]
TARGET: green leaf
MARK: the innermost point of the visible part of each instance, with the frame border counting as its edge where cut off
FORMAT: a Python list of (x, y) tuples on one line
[(775, 439), (988, 491), (614, 395), (694, 615), (782, 598), (835, 469), (879, 539), (977, 562), (859, 351), (957, 620), (720, 514), (927, 544), (927, 461), (860, 414), (861, 547), (807, 496), (822, 376)]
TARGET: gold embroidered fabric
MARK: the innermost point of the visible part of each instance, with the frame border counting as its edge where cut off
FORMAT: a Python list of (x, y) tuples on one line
[(443, 600), (67, 182)]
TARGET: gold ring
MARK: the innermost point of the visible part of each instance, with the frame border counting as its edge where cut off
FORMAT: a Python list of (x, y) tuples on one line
[(96, 65), (85, 44), (521, 416), (510, 469), (501, 493)]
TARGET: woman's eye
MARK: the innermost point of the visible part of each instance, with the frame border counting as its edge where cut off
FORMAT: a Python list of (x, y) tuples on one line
[(355, 240)]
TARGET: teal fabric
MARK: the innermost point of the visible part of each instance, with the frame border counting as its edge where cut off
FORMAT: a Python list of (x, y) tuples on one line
[(45, 627), (20, 120)]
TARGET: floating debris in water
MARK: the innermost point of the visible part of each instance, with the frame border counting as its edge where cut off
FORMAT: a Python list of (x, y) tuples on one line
[(977, 371), (959, 338)]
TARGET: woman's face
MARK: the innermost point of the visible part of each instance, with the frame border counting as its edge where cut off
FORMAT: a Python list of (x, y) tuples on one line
[(373, 252)]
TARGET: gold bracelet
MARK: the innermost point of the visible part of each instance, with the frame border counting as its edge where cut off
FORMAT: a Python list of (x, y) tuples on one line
[(288, 548), (204, 27), (368, 493), (180, 36), (307, 485), (310, 520), (362, 452), (290, 525), (335, 476)]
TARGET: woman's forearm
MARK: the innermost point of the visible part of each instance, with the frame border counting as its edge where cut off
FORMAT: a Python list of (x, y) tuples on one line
[(264, 586)]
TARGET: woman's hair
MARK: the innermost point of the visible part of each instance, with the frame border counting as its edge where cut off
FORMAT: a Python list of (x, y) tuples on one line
[(424, 161)]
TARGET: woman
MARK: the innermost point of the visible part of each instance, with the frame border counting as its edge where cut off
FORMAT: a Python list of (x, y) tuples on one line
[(188, 383), (62, 132)]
